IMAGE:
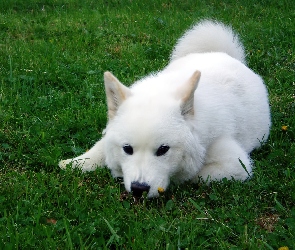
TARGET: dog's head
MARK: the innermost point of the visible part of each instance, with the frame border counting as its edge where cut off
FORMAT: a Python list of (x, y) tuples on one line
[(148, 139)]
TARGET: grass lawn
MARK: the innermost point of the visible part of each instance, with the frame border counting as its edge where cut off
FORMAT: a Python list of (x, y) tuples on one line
[(52, 106)]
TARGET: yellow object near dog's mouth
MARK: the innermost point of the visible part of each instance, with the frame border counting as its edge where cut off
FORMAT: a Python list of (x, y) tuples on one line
[(161, 190)]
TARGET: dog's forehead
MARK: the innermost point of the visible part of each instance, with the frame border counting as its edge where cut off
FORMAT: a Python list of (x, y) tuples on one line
[(150, 106), (147, 116)]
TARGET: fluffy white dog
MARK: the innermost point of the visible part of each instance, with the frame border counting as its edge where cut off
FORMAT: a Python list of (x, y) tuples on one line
[(199, 117)]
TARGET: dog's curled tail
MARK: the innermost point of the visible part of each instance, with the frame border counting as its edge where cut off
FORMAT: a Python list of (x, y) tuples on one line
[(209, 36)]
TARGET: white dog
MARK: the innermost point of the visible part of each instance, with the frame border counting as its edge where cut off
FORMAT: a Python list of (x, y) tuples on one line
[(199, 117)]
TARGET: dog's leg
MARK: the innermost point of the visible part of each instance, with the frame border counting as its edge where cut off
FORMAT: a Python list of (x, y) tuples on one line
[(225, 158), (88, 161)]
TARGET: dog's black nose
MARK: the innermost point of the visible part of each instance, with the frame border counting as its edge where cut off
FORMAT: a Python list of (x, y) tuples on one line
[(138, 188)]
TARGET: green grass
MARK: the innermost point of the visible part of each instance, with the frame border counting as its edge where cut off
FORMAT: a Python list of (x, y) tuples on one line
[(52, 106)]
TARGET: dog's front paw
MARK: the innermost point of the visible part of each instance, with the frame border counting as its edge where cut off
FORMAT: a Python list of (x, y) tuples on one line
[(63, 164)]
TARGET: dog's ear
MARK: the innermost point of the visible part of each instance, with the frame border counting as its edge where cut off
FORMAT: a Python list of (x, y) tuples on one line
[(186, 94), (116, 93)]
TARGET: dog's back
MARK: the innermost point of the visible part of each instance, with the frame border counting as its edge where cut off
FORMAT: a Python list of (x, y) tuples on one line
[(209, 36)]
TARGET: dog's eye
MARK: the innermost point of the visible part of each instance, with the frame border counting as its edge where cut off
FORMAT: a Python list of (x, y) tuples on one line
[(163, 149), (128, 149)]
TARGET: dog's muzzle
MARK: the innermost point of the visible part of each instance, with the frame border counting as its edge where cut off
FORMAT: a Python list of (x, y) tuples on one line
[(138, 188)]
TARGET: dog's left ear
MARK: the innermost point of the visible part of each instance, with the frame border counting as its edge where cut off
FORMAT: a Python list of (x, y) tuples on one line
[(116, 93), (186, 94)]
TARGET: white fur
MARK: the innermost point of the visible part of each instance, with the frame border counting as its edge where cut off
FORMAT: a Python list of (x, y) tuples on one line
[(210, 131), (209, 36)]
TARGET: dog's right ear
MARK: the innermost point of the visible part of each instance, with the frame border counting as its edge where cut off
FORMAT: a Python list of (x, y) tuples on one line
[(116, 93)]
